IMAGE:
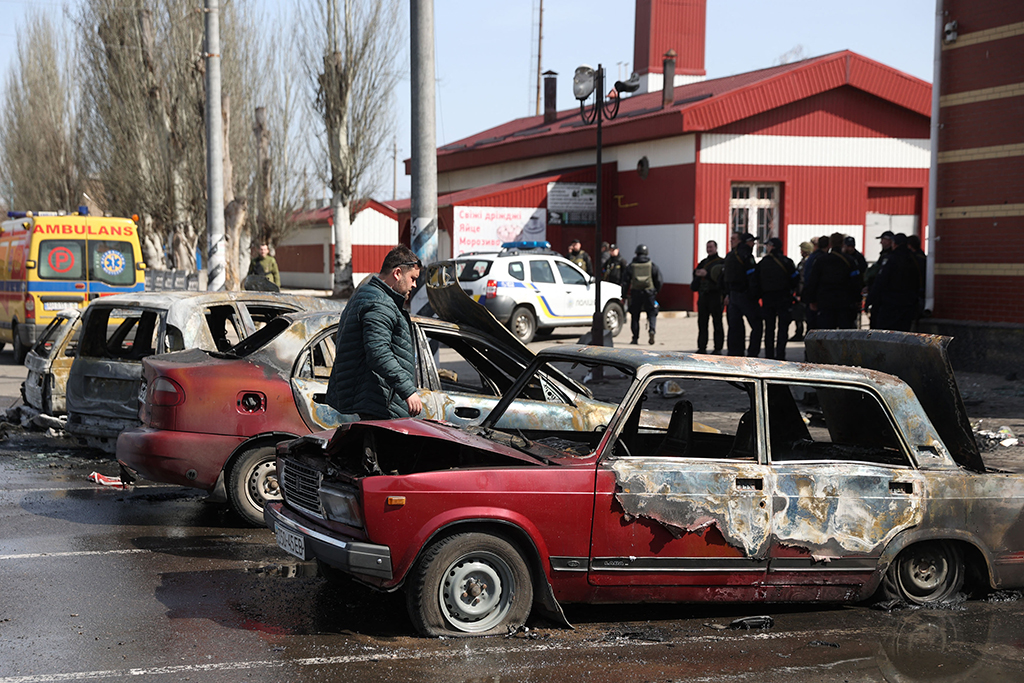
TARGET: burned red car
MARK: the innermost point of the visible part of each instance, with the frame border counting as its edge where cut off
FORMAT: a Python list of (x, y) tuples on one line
[(211, 419), (769, 481)]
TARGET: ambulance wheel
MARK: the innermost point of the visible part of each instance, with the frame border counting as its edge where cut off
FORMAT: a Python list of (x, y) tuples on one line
[(19, 348)]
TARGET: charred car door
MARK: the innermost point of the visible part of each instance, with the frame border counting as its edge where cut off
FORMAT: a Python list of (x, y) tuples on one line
[(687, 504), (844, 486)]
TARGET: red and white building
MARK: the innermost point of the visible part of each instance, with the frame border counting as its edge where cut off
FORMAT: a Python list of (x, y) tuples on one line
[(833, 143), (306, 256), (978, 254)]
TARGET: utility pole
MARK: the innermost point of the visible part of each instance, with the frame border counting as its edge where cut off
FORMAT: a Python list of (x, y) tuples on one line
[(215, 252), (423, 232), (540, 47), (394, 159)]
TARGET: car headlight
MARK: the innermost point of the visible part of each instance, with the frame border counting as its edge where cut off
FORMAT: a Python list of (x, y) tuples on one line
[(341, 505)]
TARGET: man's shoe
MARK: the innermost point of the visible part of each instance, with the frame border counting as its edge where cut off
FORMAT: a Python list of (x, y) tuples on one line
[(635, 341), (650, 339), (716, 352), (702, 350), (796, 338)]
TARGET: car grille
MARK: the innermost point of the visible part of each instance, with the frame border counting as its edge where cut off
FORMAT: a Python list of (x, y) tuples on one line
[(301, 486)]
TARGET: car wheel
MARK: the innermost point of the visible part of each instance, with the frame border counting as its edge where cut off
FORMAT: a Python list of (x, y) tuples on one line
[(253, 482), (925, 573), (614, 318), (523, 324), (470, 585), (19, 348)]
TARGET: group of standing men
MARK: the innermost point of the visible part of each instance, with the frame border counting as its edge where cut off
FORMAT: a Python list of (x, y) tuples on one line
[(826, 290)]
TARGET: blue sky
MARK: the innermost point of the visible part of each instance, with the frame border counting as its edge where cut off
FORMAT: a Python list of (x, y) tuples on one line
[(484, 48)]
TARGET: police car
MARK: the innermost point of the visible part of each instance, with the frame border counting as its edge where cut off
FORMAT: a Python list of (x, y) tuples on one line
[(530, 288)]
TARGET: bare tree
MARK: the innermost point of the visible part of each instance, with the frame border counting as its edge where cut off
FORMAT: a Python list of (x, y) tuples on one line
[(38, 165), (350, 50), (143, 88)]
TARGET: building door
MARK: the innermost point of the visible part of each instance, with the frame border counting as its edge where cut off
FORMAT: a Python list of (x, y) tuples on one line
[(754, 208)]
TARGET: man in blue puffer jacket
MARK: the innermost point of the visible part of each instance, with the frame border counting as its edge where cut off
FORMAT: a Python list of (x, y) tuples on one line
[(374, 373)]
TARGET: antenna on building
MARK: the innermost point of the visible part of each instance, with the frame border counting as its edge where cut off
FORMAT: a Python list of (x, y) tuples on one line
[(536, 59)]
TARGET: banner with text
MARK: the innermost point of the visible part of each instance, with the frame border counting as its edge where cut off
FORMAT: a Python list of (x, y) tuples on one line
[(485, 228), (572, 203)]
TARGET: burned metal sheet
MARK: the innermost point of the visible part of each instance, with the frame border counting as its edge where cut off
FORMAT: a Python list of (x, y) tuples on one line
[(690, 498), (921, 361), (837, 509)]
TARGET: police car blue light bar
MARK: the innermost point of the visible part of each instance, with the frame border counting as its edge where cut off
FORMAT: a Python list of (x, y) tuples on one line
[(527, 245)]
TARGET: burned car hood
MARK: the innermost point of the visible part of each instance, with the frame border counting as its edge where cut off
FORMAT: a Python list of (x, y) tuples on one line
[(453, 305), (921, 361), (383, 447)]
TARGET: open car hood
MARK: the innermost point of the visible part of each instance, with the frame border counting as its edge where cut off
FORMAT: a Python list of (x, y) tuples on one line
[(453, 305), (921, 361)]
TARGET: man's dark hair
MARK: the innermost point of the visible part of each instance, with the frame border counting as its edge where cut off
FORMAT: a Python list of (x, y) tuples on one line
[(399, 256), (823, 242)]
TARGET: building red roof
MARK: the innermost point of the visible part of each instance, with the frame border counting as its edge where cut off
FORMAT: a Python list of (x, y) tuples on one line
[(702, 106)]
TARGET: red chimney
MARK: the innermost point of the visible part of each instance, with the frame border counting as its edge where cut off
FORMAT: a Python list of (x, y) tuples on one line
[(663, 25)]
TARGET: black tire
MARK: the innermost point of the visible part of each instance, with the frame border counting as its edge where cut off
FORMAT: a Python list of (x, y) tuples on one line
[(20, 350), (925, 573), (523, 324), (614, 318), (488, 569), (252, 482)]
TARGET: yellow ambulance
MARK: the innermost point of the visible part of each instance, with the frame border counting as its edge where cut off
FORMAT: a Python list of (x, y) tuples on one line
[(50, 262)]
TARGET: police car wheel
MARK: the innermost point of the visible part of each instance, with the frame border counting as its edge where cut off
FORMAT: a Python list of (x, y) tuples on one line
[(614, 318), (523, 324)]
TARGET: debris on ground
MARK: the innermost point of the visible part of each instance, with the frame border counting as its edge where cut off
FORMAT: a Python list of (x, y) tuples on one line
[(888, 606), (646, 634), (823, 643), (1004, 596), (526, 632), (104, 480), (988, 440), (745, 623)]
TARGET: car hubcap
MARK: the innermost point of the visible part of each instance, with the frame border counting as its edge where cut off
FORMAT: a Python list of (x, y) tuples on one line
[(927, 573), (475, 592), (263, 483)]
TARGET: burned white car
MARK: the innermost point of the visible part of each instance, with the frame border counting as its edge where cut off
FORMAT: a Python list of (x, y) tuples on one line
[(119, 331), (769, 481)]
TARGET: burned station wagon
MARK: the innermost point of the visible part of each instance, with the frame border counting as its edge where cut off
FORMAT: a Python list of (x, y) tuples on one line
[(769, 482)]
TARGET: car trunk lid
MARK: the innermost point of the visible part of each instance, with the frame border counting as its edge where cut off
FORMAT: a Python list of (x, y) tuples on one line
[(921, 361)]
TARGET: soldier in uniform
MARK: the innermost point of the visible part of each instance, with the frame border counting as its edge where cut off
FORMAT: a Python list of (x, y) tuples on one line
[(741, 295), (640, 283), (777, 277), (706, 282), (614, 266), (580, 257)]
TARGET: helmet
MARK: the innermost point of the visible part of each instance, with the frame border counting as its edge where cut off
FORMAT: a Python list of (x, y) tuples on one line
[(641, 250)]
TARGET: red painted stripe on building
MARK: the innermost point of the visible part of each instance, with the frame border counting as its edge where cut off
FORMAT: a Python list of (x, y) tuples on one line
[(983, 182), (367, 258), (810, 194), (665, 197), (300, 258), (982, 298), (970, 67), (973, 15), (980, 240), (982, 124), (895, 201), (845, 112)]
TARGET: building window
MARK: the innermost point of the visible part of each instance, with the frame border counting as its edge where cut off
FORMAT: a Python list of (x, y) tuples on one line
[(759, 202)]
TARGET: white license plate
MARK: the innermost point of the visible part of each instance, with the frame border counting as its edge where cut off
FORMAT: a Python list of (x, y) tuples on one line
[(59, 305), (291, 543)]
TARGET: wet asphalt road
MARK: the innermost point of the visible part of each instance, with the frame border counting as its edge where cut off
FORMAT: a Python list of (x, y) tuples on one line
[(102, 584)]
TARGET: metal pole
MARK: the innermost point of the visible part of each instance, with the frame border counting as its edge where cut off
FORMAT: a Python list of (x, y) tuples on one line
[(423, 228), (933, 173), (597, 329), (540, 48), (215, 251)]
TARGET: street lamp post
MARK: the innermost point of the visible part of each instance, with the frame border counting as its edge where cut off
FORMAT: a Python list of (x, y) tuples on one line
[(587, 81)]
